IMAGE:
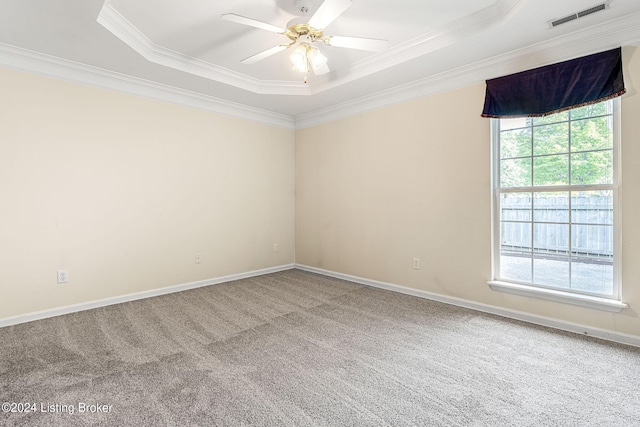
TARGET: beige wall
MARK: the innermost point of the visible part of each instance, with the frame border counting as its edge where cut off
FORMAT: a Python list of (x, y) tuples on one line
[(413, 180), (123, 191)]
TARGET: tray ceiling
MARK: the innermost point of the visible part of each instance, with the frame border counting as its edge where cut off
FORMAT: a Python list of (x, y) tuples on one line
[(186, 50)]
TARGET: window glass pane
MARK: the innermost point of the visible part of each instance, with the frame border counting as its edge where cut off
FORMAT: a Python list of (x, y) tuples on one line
[(551, 270), (592, 207), (594, 276), (592, 110), (592, 134), (553, 118), (551, 207), (592, 168), (515, 237), (515, 206), (515, 143), (551, 254), (551, 238), (592, 241), (551, 139), (551, 170), (515, 173), (515, 251), (515, 266)]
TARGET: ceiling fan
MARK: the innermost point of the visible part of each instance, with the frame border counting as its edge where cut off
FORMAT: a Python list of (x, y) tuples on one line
[(304, 33)]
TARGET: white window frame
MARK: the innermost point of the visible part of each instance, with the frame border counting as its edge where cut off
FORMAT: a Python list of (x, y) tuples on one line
[(613, 304)]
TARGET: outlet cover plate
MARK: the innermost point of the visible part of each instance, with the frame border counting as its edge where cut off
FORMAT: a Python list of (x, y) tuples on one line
[(63, 276)]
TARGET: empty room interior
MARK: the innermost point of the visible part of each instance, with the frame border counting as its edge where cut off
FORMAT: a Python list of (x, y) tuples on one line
[(307, 212)]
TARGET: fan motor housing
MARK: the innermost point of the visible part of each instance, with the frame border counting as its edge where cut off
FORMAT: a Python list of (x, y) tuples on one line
[(295, 31)]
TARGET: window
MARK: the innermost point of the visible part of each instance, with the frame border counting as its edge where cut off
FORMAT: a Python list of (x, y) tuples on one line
[(555, 202)]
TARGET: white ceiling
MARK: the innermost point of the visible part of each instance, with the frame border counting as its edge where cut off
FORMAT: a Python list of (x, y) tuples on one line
[(184, 52)]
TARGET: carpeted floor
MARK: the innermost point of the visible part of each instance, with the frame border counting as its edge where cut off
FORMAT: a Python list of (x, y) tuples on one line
[(298, 349)]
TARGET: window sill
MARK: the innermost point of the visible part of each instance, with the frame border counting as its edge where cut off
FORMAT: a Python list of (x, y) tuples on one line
[(598, 303)]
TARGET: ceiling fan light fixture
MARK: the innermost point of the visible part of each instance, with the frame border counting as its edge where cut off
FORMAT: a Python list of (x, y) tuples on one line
[(316, 59), (304, 33), (299, 59)]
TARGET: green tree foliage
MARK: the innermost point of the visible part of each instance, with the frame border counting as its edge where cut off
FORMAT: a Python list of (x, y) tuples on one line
[(574, 145)]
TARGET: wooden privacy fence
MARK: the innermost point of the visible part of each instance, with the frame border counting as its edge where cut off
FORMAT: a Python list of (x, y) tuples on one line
[(590, 231)]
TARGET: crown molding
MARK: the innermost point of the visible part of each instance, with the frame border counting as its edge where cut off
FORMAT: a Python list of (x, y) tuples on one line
[(38, 63), (424, 44), (444, 36), (619, 32), (119, 26)]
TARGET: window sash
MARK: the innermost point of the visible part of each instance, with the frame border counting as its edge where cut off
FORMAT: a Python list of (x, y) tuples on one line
[(497, 221)]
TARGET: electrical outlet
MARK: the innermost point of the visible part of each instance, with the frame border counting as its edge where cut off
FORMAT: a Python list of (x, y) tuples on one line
[(63, 276), (275, 247), (416, 263), (198, 258)]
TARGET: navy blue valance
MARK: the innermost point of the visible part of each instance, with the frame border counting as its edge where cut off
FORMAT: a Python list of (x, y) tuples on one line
[(558, 87)]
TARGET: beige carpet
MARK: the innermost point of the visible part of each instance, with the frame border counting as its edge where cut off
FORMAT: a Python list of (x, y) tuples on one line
[(298, 349)]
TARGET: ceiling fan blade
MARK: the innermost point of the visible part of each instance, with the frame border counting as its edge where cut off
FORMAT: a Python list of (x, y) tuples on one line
[(265, 54), (232, 17), (327, 12), (372, 45)]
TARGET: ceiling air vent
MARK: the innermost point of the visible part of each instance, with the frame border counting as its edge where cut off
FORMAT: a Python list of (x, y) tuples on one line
[(574, 16)]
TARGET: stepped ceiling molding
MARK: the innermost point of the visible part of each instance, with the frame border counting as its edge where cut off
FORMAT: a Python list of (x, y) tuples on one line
[(183, 52), (465, 23)]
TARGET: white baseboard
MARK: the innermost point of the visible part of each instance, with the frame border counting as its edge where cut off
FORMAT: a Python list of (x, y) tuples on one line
[(499, 311), (8, 321), (491, 309)]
